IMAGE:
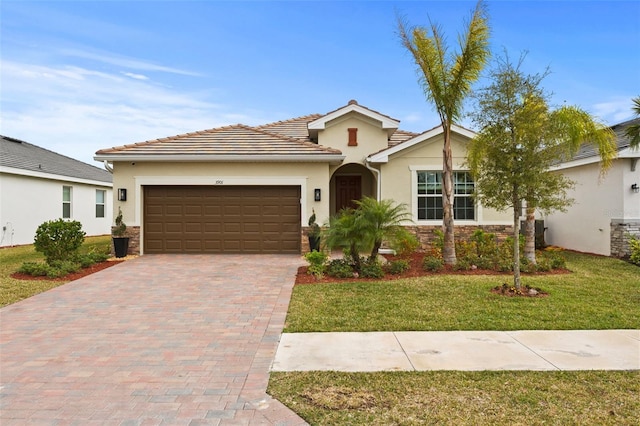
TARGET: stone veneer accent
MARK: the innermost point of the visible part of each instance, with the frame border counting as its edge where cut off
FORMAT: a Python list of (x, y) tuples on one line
[(133, 232), (621, 232), (426, 234)]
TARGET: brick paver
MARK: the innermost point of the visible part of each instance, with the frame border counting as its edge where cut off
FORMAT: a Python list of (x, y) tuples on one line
[(162, 339)]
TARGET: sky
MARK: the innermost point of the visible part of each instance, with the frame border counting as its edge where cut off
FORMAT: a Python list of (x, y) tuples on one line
[(79, 76)]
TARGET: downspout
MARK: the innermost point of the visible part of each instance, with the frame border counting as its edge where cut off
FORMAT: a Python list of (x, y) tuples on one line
[(107, 166), (377, 173)]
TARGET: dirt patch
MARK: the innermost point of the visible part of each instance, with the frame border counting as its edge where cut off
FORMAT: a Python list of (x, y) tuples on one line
[(525, 291), (69, 277), (340, 398)]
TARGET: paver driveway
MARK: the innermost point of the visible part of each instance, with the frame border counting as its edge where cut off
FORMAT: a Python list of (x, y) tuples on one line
[(162, 339)]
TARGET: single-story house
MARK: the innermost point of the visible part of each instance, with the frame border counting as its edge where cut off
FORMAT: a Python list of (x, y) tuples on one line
[(38, 185), (252, 188), (606, 211)]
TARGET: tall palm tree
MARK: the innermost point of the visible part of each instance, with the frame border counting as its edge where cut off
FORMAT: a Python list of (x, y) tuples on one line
[(446, 81)]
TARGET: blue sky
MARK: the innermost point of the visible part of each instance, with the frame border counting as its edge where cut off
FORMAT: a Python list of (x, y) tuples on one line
[(78, 76)]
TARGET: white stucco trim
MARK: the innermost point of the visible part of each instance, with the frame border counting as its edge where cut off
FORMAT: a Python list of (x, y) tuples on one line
[(383, 157), (317, 158), (51, 176), (141, 181), (386, 122)]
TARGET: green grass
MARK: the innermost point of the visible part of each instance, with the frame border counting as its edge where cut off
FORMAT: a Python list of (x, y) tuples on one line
[(600, 293), (461, 398), (12, 290)]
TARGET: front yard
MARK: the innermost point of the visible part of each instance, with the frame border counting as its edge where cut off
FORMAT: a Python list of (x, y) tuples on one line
[(600, 293)]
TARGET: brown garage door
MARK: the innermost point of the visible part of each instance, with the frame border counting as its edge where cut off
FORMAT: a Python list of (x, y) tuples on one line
[(222, 219)]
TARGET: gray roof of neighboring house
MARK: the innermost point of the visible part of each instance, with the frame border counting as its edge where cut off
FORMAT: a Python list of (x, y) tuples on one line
[(22, 155), (622, 141)]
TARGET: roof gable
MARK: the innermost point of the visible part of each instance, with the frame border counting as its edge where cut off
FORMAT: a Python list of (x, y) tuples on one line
[(18, 154), (386, 122), (383, 156)]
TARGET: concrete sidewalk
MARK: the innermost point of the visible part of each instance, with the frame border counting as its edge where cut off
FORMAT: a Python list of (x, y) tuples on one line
[(460, 350)]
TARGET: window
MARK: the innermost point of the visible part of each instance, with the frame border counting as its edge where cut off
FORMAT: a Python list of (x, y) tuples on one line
[(430, 196), (100, 196), (66, 202)]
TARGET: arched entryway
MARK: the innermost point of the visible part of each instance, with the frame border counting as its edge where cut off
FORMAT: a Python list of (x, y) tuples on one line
[(350, 182)]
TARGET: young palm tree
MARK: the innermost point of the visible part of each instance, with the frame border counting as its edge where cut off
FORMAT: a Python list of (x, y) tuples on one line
[(380, 220), (446, 82)]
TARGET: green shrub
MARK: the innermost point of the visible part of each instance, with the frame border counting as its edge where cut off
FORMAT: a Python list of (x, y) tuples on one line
[(432, 263), (462, 265), (634, 244), (404, 243), (317, 262), (60, 268), (371, 269), (339, 268), (557, 261), (398, 266), (36, 269), (88, 259), (59, 240)]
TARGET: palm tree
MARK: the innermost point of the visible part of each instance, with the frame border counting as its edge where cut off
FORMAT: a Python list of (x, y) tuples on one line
[(633, 131), (446, 82), (380, 220)]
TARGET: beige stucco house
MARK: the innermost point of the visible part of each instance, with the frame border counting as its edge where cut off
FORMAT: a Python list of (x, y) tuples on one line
[(252, 189)]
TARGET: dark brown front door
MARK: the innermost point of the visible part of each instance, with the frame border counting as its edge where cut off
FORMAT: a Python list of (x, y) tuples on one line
[(222, 219), (348, 189)]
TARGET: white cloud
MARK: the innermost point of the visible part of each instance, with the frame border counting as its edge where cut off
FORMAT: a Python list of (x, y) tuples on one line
[(136, 76), (614, 110), (76, 111)]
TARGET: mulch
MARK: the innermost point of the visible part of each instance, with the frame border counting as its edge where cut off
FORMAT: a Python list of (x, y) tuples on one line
[(70, 277), (416, 270)]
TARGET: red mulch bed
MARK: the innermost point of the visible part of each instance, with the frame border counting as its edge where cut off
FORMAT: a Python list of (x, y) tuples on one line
[(416, 270), (70, 277)]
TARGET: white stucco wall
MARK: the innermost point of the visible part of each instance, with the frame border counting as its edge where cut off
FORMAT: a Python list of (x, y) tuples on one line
[(586, 224), (28, 201)]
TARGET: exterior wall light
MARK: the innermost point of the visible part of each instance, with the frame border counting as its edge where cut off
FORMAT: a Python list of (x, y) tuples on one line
[(122, 194), (317, 196), (635, 188)]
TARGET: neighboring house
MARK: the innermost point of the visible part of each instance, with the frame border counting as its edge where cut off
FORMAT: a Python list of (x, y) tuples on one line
[(38, 185), (252, 189), (606, 211)]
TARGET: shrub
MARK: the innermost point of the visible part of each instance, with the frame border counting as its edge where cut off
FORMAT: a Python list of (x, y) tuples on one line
[(36, 269), (634, 243), (339, 268), (557, 260), (371, 269), (317, 262), (59, 240), (432, 263), (404, 243), (462, 265), (88, 259), (398, 266)]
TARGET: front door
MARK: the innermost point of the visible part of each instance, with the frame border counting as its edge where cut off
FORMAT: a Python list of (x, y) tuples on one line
[(348, 189)]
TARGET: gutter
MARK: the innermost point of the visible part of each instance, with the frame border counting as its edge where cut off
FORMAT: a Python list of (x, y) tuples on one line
[(322, 158), (378, 177), (107, 167)]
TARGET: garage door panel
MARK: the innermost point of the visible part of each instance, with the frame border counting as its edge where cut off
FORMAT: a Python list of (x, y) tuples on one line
[(221, 219)]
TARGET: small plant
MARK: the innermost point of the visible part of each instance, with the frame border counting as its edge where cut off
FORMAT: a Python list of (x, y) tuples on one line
[(317, 263), (340, 268), (634, 244), (59, 239), (371, 269), (432, 263), (314, 228), (398, 266), (121, 228), (404, 243)]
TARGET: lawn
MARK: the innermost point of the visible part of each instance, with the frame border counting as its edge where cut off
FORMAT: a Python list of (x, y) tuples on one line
[(600, 293), (12, 290)]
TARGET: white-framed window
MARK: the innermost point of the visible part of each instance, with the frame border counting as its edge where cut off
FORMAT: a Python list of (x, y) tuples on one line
[(429, 193), (101, 195), (66, 202)]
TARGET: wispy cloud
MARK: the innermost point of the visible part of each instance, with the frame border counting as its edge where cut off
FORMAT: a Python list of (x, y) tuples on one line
[(77, 111)]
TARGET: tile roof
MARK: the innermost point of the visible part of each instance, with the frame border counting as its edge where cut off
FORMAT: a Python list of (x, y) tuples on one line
[(236, 140), (22, 155), (294, 127)]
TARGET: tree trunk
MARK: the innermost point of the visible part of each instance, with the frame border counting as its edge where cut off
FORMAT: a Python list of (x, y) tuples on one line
[(516, 245), (375, 250), (449, 249), (355, 257), (530, 235)]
